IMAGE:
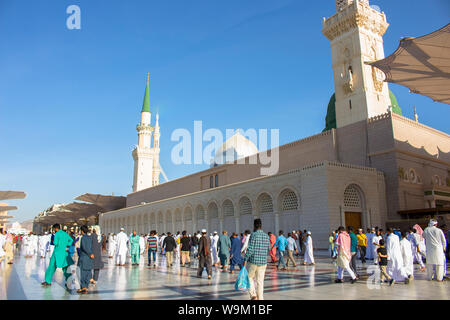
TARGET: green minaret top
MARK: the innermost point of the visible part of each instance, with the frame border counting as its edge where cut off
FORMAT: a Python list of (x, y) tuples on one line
[(146, 104)]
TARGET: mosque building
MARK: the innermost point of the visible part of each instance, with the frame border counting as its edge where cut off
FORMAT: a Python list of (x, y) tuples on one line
[(370, 166)]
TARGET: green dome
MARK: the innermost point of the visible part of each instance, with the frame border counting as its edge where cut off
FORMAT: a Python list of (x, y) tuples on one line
[(330, 119), (395, 107)]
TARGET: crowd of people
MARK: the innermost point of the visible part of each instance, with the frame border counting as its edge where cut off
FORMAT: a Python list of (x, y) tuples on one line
[(395, 252)]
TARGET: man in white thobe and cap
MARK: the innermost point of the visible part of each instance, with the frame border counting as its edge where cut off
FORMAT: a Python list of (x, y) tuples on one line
[(214, 251), (309, 253), (436, 244), (111, 245), (43, 245), (369, 252), (395, 267), (121, 248), (141, 244), (28, 245), (405, 248)]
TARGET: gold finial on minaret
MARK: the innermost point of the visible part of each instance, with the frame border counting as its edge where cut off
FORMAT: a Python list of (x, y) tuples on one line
[(148, 77)]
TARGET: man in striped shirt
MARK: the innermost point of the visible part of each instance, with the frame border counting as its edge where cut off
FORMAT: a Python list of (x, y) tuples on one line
[(256, 260), (152, 247)]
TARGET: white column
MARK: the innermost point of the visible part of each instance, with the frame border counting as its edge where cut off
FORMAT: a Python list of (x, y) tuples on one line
[(238, 224)]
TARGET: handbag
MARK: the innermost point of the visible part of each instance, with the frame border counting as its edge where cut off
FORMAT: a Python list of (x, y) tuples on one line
[(242, 281)]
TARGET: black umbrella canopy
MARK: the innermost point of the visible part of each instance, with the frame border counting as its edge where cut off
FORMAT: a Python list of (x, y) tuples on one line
[(421, 64)]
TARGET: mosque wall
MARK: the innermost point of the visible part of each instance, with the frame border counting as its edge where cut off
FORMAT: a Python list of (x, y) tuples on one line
[(310, 197)]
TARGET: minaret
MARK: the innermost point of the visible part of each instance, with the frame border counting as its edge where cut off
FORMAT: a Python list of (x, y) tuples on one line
[(355, 33), (143, 154), (156, 169)]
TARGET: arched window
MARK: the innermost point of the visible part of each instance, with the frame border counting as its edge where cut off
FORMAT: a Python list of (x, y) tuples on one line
[(228, 208), (188, 214), (265, 204), (245, 206), (200, 212), (289, 200), (213, 211), (351, 197)]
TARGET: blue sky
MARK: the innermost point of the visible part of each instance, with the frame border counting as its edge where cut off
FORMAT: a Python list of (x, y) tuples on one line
[(70, 99)]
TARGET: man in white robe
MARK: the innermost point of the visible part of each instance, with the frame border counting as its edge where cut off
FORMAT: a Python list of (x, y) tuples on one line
[(369, 251), (405, 248), (121, 248), (309, 254), (111, 245), (214, 251), (395, 267), (28, 246), (142, 244), (43, 245), (375, 245), (436, 245), (35, 243)]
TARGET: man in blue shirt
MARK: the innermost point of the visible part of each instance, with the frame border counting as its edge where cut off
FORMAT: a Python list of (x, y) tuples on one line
[(281, 247), (353, 246), (291, 247)]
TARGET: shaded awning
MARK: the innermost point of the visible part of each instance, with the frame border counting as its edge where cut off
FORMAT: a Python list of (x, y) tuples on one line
[(108, 203), (421, 64), (6, 195)]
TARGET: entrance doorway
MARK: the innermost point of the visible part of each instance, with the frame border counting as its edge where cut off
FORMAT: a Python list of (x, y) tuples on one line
[(353, 219)]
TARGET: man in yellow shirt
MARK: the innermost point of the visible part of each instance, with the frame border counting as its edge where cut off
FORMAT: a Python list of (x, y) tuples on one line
[(362, 245)]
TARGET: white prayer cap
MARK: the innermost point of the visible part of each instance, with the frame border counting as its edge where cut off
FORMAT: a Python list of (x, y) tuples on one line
[(215, 232), (432, 223), (122, 229), (203, 230), (308, 232)]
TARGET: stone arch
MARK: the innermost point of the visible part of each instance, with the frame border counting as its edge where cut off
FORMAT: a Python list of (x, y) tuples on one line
[(153, 225), (265, 211), (178, 220), (229, 216), (200, 217), (354, 206), (169, 224), (288, 205), (188, 219), (213, 216), (245, 214), (161, 224)]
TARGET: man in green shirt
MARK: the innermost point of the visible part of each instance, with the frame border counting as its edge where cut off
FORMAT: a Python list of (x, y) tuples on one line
[(224, 246), (60, 257)]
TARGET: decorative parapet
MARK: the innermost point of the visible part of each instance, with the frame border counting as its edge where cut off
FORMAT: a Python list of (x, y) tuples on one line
[(379, 117), (349, 166), (304, 140), (356, 15), (144, 129), (418, 125)]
